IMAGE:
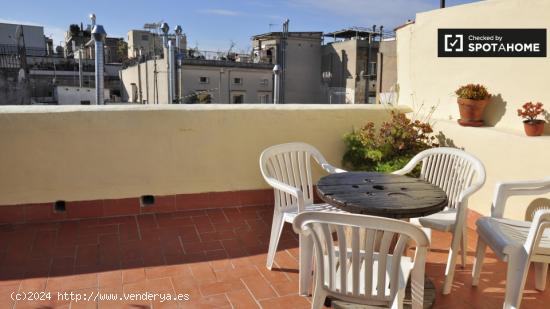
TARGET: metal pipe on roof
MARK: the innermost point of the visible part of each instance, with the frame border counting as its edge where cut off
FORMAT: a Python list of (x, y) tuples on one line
[(99, 35), (171, 72)]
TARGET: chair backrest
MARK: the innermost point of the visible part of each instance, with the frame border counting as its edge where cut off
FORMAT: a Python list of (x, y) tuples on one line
[(290, 163), (349, 267), (536, 204), (452, 169)]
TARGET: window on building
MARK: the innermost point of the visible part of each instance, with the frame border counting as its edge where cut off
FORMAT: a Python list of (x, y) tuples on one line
[(237, 81), (84, 102), (204, 80), (264, 98), (264, 82), (238, 98), (144, 37)]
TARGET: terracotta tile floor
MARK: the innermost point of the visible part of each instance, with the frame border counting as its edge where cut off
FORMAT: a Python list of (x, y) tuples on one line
[(216, 256)]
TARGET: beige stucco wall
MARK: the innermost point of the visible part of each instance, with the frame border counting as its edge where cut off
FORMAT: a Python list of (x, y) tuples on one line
[(425, 80), (507, 155), (94, 152)]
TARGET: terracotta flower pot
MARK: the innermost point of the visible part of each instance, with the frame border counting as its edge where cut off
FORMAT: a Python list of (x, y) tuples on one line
[(471, 111), (534, 128)]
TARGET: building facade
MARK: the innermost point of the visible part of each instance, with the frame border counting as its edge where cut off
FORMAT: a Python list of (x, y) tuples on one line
[(349, 66), (79, 44), (198, 81), (32, 38), (300, 55), (149, 43)]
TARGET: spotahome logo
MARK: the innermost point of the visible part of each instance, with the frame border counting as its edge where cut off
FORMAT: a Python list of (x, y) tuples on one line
[(491, 42)]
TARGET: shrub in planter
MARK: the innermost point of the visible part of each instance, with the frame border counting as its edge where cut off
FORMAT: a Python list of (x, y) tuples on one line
[(472, 100), (390, 147), (530, 112)]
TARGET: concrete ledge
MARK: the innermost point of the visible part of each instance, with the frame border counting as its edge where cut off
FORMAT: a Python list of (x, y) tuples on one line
[(87, 153)]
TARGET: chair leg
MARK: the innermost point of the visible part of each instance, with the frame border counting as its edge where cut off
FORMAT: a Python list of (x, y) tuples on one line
[(305, 264), (464, 248), (451, 262), (319, 296), (276, 229), (518, 265), (478, 262), (541, 270), (398, 300)]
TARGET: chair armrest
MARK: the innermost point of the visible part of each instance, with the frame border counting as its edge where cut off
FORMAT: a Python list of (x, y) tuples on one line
[(331, 169), (505, 189), (405, 170), (295, 192), (409, 166)]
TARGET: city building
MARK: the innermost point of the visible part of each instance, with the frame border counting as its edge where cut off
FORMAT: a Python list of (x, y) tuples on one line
[(148, 43), (79, 44), (299, 55), (197, 81), (71, 95), (349, 65), (31, 37), (387, 88)]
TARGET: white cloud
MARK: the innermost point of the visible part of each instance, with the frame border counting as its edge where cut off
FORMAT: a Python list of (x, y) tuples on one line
[(221, 12), (57, 33), (389, 13)]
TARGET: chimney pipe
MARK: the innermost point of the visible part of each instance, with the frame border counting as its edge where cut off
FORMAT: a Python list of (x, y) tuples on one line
[(99, 35), (178, 31), (171, 73), (277, 84)]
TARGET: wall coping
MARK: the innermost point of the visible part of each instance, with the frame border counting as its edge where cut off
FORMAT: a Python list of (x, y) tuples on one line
[(46, 109)]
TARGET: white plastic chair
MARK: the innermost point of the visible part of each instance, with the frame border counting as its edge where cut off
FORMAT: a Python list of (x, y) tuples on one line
[(364, 275), (454, 171), (287, 168), (517, 242)]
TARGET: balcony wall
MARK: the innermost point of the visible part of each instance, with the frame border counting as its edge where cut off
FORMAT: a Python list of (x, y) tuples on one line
[(76, 153), (428, 81)]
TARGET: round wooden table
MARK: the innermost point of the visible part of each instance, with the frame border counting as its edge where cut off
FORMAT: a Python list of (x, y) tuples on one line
[(384, 195)]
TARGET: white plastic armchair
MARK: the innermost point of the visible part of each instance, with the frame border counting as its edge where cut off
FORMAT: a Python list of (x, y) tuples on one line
[(460, 175), (350, 269), (517, 242), (287, 168)]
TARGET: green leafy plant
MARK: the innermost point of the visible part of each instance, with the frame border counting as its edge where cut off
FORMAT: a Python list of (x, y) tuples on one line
[(199, 97), (390, 147), (472, 92)]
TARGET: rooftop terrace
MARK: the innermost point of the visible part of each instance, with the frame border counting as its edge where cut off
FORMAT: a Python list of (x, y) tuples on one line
[(206, 233)]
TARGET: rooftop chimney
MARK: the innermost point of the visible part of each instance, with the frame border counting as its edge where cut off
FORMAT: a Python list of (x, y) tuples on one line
[(99, 35)]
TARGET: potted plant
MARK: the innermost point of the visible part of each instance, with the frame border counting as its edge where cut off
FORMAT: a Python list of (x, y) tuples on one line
[(472, 100), (530, 112), (388, 148)]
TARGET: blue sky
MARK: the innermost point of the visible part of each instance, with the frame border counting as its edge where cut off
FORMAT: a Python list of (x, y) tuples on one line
[(213, 24)]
